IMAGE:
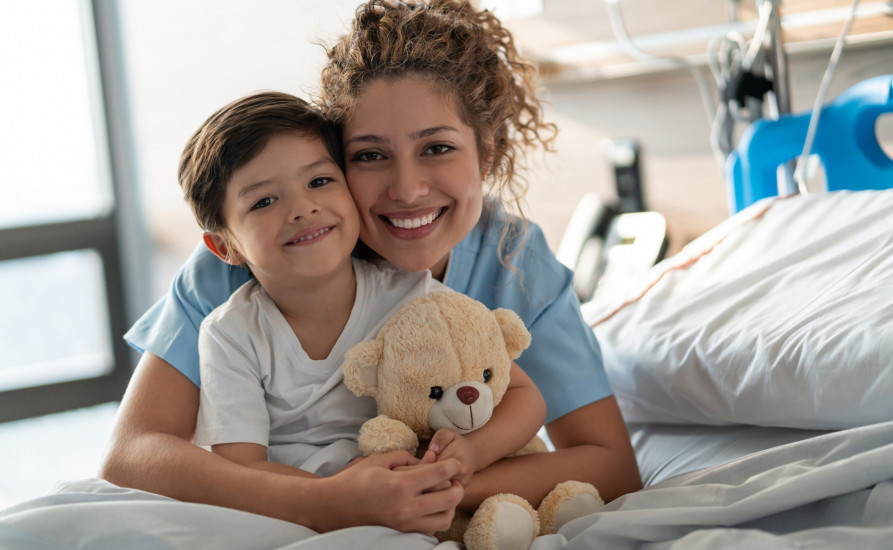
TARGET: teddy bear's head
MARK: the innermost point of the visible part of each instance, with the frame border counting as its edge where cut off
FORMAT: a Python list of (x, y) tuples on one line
[(441, 361)]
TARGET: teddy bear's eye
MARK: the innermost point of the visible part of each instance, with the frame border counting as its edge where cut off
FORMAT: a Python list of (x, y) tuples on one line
[(487, 375), (436, 392)]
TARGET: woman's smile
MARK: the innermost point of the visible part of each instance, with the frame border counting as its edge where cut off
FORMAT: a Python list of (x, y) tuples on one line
[(414, 171)]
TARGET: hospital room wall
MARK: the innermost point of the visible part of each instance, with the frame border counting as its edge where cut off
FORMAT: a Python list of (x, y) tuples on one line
[(184, 67)]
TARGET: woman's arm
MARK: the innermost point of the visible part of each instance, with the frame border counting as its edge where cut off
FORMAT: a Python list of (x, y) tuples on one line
[(150, 449), (514, 423), (592, 445)]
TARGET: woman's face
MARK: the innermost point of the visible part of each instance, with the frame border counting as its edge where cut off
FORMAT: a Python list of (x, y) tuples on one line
[(414, 171)]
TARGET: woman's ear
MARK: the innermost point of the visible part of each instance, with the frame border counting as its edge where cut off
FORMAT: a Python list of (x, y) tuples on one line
[(217, 244)]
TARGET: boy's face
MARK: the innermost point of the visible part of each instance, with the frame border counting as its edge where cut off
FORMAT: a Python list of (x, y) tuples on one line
[(289, 214)]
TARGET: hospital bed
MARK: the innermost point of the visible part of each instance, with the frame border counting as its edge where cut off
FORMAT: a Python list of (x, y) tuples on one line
[(754, 369)]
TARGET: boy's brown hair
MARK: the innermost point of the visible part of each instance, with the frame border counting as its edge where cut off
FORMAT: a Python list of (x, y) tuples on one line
[(234, 135)]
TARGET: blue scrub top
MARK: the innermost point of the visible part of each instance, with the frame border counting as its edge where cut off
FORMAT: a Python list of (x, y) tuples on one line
[(563, 360)]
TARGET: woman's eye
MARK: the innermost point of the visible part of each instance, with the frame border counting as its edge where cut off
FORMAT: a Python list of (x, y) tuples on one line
[(368, 156), (436, 392), (438, 149), (319, 182), (263, 203), (488, 374)]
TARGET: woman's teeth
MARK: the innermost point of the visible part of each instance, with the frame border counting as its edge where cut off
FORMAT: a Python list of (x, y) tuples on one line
[(413, 223)]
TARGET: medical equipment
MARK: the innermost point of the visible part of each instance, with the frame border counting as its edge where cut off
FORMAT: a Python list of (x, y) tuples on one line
[(845, 142)]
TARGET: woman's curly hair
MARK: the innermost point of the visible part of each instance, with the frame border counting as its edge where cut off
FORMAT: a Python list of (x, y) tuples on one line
[(464, 51)]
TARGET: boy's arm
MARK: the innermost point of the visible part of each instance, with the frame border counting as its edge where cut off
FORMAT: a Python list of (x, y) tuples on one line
[(515, 421), (252, 455), (150, 449)]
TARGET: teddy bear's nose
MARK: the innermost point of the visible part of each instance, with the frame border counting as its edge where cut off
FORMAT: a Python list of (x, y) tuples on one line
[(467, 394)]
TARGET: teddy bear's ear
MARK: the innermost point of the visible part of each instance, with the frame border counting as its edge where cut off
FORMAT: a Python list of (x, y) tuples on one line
[(361, 367), (513, 332)]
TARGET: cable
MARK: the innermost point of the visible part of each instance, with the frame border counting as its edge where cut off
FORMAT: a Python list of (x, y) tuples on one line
[(800, 170), (738, 70), (615, 17)]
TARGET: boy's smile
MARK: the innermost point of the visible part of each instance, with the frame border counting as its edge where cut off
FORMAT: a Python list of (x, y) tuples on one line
[(289, 215)]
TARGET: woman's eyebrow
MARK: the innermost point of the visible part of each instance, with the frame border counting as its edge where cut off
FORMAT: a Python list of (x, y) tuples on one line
[(428, 132), (366, 138)]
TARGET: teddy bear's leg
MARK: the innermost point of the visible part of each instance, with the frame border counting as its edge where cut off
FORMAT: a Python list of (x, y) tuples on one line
[(504, 522), (568, 501)]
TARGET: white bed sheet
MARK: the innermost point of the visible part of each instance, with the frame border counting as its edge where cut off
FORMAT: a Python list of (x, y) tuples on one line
[(667, 450), (830, 491)]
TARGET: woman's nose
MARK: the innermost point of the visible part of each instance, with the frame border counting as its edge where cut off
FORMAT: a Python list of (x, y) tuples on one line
[(408, 184)]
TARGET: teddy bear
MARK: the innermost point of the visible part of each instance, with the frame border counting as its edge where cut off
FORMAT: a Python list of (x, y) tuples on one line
[(443, 360)]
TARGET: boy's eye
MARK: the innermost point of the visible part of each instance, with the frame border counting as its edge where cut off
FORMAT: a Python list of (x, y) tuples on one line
[(263, 203), (319, 182)]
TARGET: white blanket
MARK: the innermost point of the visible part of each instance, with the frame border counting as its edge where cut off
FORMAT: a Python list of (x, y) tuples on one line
[(830, 491)]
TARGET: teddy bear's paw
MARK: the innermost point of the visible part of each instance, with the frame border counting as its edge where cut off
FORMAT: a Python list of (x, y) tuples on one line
[(502, 522), (384, 435), (566, 502)]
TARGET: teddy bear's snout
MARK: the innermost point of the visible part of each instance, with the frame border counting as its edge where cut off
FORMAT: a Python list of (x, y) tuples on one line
[(467, 395)]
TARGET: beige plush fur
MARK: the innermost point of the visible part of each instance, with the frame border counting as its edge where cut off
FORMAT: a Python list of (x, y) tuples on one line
[(443, 360)]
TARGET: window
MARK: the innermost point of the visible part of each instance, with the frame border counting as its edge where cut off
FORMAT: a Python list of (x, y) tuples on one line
[(63, 209)]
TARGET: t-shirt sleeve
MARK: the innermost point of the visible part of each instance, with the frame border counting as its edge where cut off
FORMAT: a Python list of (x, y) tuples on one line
[(169, 329), (232, 407)]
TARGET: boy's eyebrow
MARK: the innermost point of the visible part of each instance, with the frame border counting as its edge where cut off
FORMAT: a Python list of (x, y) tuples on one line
[(325, 161), (249, 188), (427, 132)]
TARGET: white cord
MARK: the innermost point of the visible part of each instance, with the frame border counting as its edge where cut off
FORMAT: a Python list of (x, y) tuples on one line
[(800, 170), (616, 19)]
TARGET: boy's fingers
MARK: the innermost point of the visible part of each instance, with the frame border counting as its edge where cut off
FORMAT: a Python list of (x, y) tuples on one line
[(442, 502), (441, 439), (429, 458), (395, 459), (432, 475)]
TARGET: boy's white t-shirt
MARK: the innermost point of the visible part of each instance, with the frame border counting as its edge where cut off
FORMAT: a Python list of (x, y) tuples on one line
[(259, 386)]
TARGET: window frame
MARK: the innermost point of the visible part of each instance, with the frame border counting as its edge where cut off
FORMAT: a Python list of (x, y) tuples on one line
[(117, 235)]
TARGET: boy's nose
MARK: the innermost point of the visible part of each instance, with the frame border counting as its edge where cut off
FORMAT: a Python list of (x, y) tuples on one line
[(304, 209)]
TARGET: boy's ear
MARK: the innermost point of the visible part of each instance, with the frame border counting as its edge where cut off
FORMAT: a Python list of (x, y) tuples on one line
[(217, 244)]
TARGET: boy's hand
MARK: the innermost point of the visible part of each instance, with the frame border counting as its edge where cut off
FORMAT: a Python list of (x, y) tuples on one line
[(448, 443)]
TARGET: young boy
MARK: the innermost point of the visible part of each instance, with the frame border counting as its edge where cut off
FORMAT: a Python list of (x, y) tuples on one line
[(263, 177)]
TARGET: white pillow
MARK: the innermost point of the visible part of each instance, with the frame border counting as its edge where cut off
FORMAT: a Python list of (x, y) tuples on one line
[(780, 316)]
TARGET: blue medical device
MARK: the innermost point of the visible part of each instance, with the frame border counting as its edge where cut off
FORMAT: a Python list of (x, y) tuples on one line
[(845, 142)]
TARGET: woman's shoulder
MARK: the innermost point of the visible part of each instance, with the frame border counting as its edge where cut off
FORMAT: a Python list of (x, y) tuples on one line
[(506, 262), (518, 241), (206, 281)]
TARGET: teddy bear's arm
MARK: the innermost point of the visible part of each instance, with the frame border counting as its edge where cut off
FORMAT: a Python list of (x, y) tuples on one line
[(384, 435)]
